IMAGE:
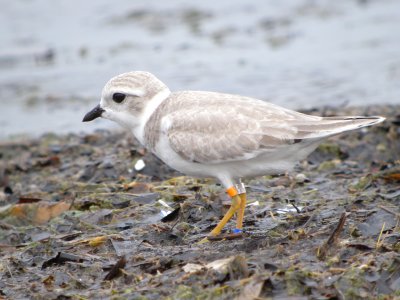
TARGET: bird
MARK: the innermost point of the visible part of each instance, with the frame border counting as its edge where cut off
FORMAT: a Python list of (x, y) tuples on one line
[(210, 134)]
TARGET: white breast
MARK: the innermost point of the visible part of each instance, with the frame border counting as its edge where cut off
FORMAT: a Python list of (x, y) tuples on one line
[(151, 107)]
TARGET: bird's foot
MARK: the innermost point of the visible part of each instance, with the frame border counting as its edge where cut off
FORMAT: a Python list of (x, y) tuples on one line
[(236, 234)]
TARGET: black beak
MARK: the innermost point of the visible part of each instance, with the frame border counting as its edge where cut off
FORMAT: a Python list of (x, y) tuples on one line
[(93, 114)]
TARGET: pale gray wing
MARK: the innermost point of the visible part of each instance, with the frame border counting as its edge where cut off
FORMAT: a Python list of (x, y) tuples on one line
[(229, 130), (212, 127)]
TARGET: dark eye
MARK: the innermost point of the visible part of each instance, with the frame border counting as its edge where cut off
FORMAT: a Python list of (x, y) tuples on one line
[(118, 97)]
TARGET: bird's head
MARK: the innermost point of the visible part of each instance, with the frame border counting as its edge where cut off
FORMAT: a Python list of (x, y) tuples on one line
[(126, 97)]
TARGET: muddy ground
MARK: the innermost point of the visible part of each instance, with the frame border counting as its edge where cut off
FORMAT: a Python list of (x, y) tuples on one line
[(80, 218)]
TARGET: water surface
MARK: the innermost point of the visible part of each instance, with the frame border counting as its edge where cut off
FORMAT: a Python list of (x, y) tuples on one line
[(56, 55)]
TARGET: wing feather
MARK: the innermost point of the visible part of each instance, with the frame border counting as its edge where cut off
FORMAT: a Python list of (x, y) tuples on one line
[(209, 127), (231, 130)]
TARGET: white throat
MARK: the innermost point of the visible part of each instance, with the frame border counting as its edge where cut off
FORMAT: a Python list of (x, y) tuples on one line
[(150, 108)]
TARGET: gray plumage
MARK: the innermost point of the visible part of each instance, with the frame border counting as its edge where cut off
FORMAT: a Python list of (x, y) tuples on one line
[(211, 128)]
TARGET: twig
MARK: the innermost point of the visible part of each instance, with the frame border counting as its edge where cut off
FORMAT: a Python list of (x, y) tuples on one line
[(310, 219), (379, 243), (294, 205), (115, 271), (389, 211), (6, 226), (335, 234), (322, 251), (9, 271)]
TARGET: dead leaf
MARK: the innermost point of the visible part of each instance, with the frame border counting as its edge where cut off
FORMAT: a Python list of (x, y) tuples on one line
[(373, 224), (172, 216), (192, 268), (235, 266), (125, 247), (138, 187), (48, 282), (252, 289), (392, 177), (101, 216), (49, 161), (92, 241), (116, 269), (60, 259), (27, 199), (97, 241), (48, 211), (38, 213)]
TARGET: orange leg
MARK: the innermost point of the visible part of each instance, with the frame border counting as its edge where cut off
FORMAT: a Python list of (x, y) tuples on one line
[(238, 195), (236, 202), (240, 213)]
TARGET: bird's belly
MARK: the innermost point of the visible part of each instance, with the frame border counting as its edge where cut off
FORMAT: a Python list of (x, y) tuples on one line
[(263, 165)]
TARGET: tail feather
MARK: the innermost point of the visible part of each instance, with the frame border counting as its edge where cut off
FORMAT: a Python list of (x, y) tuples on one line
[(328, 126)]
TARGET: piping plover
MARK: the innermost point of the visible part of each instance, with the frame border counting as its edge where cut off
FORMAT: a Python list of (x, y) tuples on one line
[(207, 134)]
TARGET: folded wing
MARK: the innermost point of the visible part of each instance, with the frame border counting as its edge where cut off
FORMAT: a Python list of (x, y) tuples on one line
[(235, 128)]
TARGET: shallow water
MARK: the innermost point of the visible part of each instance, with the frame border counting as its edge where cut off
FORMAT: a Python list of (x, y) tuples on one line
[(297, 54)]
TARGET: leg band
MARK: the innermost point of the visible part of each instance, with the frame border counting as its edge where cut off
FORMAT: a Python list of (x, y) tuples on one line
[(241, 189), (232, 191)]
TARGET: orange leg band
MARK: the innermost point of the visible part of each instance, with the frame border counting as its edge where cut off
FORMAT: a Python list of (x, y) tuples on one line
[(232, 191)]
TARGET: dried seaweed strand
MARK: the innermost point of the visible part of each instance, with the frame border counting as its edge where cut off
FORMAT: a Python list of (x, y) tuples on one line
[(379, 243), (322, 250)]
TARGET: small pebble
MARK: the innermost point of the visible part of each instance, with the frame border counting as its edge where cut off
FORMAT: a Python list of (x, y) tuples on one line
[(140, 165), (301, 178)]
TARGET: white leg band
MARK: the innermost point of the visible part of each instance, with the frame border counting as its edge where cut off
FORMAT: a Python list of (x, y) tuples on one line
[(241, 189)]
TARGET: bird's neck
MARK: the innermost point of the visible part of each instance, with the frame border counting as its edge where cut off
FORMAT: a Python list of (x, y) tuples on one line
[(150, 108)]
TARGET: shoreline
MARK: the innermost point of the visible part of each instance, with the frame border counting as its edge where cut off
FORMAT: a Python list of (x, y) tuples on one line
[(369, 110)]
